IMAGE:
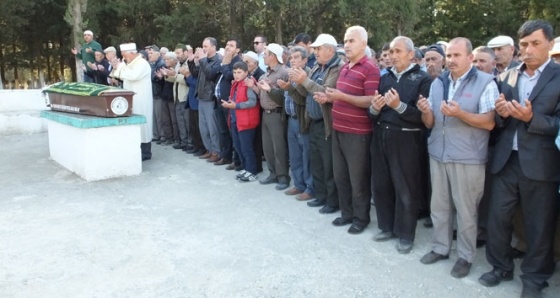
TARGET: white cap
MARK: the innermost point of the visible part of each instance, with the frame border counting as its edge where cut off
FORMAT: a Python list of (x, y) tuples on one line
[(324, 39), (252, 55), (277, 50), (556, 49), (500, 41), (443, 43), (171, 55), (128, 47), (88, 32), (110, 49)]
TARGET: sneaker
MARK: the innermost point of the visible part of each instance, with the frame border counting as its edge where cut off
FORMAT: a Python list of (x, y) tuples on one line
[(248, 177), (241, 174)]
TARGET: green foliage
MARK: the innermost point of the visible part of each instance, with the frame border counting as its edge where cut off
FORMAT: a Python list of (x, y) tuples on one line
[(33, 36)]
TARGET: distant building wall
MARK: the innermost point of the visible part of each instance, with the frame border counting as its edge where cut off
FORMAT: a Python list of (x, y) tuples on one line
[(19, 112)]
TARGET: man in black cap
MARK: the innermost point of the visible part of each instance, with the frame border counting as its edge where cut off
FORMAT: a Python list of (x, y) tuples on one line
[(435, 60)]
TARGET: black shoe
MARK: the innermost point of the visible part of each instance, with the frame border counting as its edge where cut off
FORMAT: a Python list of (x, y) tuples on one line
[(239, 168), (517, 254), (316, 203), (383, 236), (404, 246), (268, 180), (187, 147), (480, 243), (529, 292), (339, 222), (356, 229), (191, 151), (162, 140), (432, 257), (282, 185), (428, 222), (461, 268), (495, 277), (144, 158), (328, 209), (178, 146), (199, 153)]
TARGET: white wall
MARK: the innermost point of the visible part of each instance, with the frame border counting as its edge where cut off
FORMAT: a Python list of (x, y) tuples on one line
[(19, 112)]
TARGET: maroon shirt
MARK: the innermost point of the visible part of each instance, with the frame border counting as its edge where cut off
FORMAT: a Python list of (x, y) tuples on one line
[(360, 79)]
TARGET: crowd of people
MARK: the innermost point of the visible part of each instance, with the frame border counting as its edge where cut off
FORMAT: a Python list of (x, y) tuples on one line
[(462, 137)]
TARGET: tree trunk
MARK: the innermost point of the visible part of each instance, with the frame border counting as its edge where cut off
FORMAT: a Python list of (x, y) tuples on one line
[(2, 67), (16, 76), (74, 17), (279, 21)]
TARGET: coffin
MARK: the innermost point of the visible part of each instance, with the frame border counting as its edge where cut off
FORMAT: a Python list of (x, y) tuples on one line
[(89, 99)]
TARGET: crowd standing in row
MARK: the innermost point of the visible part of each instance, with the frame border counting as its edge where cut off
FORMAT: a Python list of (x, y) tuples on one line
[(465, 137)]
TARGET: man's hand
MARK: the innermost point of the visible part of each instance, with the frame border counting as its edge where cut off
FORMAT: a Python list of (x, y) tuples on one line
[(283, 84), (100, 67), (171, 72), (334, 94), (517, 111), (249, 82), (297, 75), (450, 108), (190, 56), (184, 70), (228, 56), (423, 104), (320, 97), (263, 85), (228, 104), (502, 106), (378, 101), (74, 51), (392, 98), (89, 50)]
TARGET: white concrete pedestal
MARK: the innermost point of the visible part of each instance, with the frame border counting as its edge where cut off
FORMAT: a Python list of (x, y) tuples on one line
[(95, 148)]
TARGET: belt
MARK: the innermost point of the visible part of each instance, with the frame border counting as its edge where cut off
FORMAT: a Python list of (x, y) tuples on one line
[(276, 110), (386, 125), (317, 120)]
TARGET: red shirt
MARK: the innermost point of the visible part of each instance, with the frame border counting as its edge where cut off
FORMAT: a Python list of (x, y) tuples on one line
[(360, 79)]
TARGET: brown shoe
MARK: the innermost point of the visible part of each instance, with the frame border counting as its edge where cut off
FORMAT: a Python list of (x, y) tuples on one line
[(213, 158), (304, 197), (222, 162), (205, 155), (292, 192)]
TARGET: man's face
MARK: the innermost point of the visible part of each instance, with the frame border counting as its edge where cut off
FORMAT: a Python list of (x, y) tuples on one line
[(251, 64), (258, 44), (504, 54), (208, 48), (239, 74), (180, 54), (99, 56), (269, 58), (354, 46), (457, 59), (556, 58), (400, 56), (170, 62), (434, 63), (386, 57), (534, 49), (153, 56), (110, 55), (323, 54), (296, 60), (484, 62), (231, 46), (88, 38)]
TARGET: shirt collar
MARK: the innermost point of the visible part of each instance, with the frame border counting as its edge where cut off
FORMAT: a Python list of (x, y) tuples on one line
[(521, 68), (398, 74), (460, 79)]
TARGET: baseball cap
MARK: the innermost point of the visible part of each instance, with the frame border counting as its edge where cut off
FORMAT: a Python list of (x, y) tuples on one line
[(324, 39), (500, 41), (436, 48), (277, 50)]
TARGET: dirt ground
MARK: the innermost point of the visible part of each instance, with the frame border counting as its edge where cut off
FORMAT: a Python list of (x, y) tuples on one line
[(184, 228)]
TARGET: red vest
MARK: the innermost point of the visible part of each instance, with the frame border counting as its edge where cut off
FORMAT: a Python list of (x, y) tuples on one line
[(246, 118)]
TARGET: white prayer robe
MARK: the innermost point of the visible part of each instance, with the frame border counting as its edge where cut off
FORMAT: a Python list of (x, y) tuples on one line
[(136, 77)]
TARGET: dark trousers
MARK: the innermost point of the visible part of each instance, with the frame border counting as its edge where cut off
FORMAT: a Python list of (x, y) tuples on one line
[(243, 143), (146, 150), (258, 147), (320, 156), (275, 146), (397, 167), (226, 142), (539, 203), (194, 130), (352, 175), (169, 120)]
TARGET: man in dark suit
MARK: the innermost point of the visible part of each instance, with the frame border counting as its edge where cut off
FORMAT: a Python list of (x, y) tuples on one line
[(526, 164)]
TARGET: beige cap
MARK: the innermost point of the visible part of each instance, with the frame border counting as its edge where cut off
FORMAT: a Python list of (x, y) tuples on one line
[(277, 50)]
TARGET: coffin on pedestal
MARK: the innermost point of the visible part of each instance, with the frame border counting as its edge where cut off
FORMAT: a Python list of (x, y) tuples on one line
[(89, 99)]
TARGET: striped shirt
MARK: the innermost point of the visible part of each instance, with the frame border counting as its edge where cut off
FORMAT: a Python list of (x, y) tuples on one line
[(361, 79)]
